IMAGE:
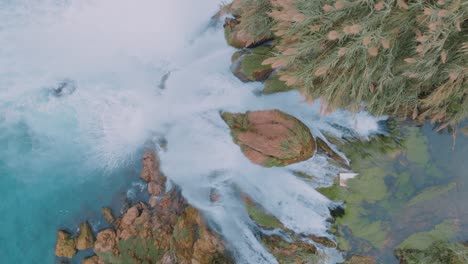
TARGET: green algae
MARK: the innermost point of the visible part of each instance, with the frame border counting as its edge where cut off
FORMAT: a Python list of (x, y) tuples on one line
[(431, 193), (416, 147), (394, 173), (423, 240)]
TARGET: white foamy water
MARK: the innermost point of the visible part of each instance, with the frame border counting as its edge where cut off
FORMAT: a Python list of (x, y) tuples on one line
[(117, 52)]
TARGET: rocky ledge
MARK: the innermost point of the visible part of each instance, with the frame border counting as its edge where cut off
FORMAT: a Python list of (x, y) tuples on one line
[(271, 138), (166, 230)]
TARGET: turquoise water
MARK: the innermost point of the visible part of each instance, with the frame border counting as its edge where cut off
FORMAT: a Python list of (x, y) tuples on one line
[(45, 184)]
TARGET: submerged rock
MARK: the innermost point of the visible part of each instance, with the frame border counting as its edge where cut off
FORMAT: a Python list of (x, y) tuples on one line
[(85, 239), (271, 138), (65, 246), (438, 253), (247, 64), (323, 147), (290, 252), (64, 87), (325, 241), (358, 259)]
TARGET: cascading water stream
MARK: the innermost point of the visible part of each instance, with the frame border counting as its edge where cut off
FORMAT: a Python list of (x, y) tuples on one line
[(117, 52)]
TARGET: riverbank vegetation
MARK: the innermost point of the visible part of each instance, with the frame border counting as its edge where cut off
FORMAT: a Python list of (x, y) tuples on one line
[(407, 58)]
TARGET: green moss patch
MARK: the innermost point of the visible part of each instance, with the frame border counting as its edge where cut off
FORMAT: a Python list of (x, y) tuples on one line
[(274, 85)]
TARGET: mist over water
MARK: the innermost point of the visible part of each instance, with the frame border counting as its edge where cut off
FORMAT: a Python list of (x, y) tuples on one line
[(117, 52)]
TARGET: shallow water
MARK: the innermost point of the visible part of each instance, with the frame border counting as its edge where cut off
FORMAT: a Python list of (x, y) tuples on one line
[(406, 196), (63, 156)]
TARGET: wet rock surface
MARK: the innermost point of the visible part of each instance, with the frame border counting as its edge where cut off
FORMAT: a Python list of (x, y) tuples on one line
[(107, 213), (85, 239), (247, 64), (271, 138), (65, 246)]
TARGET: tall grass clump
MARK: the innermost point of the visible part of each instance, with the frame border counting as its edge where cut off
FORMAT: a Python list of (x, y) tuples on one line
[(402, 57)]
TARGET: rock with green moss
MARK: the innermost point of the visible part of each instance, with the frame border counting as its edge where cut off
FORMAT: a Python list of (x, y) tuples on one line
[(247, 64), (260, 216), (324, 148), (274, 85), (286, 252), (238, 37), (358, 259), (65, 246), (271, 137), (437, 253), (85, 238)]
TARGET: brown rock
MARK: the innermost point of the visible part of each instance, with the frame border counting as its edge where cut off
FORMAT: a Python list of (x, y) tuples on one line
[(322, 147), (131, 215), (271, 138), (65, 246), (150, 166), (106, 240), (238, 37), (92, 260), (358, 259), (85, 239), (323, 240), (107, 213), (155, 189)]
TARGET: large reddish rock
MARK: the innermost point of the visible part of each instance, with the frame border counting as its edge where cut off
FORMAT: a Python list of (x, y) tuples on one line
[(271, 138)]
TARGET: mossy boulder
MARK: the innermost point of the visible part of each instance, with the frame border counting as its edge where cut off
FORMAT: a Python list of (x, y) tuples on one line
[(274, 85), (271, 138), (85, 238), (65, 246), (238, 37), (247, 64)]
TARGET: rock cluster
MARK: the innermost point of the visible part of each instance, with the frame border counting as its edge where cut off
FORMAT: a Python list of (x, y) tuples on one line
[(67, 246), (166, 231)]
